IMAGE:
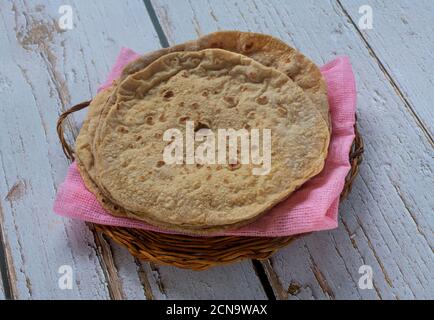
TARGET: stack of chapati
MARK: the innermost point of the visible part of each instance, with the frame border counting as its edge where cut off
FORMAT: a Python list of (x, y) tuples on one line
[(225, 80)]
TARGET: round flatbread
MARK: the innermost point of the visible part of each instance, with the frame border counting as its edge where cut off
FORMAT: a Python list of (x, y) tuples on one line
[(215, 89), (266, 49)]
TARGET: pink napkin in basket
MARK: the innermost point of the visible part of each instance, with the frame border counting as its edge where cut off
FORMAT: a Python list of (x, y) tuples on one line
[(313, 207)]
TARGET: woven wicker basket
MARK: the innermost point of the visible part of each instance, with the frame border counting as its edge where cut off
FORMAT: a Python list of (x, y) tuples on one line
[(200, 253)]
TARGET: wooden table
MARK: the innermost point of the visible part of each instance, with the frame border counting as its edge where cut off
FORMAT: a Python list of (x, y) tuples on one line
[(386, 223)]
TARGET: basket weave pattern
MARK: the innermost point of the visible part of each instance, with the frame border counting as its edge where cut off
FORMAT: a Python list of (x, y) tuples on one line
[(200, 253)]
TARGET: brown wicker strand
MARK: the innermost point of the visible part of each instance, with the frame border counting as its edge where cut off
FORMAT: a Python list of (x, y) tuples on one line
[(67, 150), (200, 253), (355, 156)]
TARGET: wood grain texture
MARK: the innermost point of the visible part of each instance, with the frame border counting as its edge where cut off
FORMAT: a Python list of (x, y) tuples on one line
[(43, 71), (387, 221), (402, 38)]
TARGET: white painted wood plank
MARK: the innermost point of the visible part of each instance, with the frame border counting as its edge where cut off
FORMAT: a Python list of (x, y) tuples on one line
[(43, 71), (236, 281), (403, 39), (387, 221)]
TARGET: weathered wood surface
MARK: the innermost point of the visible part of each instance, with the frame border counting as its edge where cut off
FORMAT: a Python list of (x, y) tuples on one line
[(44, 71), (402, 39), (387, 221), (237, 281)]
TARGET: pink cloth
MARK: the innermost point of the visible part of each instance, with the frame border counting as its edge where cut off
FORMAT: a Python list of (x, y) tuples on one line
[(313, 207)]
